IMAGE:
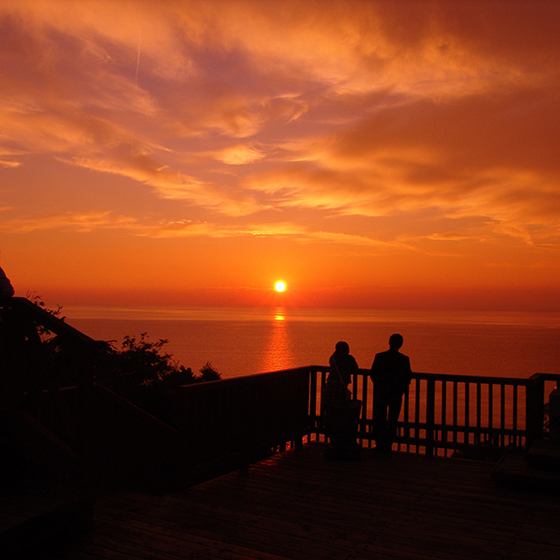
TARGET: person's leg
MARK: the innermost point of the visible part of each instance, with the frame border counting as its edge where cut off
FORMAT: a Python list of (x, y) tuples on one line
[(395, 405), (326, 419), (379, 421)]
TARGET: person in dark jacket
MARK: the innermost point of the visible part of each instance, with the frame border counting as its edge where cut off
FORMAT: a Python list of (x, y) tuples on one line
[(391, 375)]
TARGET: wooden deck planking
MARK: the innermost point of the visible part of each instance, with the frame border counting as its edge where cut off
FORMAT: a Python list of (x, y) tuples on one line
[(273, 538), (298, 505)]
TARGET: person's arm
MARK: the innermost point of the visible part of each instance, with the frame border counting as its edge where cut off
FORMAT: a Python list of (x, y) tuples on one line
[(332, 366), (405, 374), (409, 370), (353, 368)]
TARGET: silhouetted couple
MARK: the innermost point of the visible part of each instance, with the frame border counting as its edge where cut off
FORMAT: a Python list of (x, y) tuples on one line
[(391, 375)]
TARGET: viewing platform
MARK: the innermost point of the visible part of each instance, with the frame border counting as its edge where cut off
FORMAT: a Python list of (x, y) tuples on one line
[(298, 505), (474, 472)]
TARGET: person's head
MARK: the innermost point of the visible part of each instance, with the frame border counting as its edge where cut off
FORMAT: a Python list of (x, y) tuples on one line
[(395, 341), (342, 347)]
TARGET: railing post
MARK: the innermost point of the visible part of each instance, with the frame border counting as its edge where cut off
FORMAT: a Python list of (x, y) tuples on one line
[(86, 422), (312, 404), (534, 408), (430, 415)]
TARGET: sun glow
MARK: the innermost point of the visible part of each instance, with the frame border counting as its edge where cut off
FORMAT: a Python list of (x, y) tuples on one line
[(280, 286)]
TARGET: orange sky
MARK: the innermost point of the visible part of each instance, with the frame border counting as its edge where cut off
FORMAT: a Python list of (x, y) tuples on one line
[(386, 154)]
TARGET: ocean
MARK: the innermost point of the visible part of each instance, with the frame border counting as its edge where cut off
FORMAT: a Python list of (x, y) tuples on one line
[(244, 341)]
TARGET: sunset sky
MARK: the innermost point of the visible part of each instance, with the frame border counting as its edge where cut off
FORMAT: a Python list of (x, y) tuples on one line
[(384, 154)]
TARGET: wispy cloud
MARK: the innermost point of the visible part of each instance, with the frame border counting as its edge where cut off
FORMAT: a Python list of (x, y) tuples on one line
[(9, 163), (86, 222), (239, 155), (81, 222), (441, 119)]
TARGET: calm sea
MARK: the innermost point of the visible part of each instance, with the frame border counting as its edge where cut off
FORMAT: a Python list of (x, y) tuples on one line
[(244, 341)]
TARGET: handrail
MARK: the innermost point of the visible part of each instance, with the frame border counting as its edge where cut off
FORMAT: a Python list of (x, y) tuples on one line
[(23, 354), (48, 320)]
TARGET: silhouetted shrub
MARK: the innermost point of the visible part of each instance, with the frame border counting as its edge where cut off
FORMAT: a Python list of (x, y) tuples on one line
[(208, 373), (148, 377), (139, 370)]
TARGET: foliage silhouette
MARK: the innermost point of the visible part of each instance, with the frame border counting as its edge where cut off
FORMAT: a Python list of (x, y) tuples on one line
[(139, 370)]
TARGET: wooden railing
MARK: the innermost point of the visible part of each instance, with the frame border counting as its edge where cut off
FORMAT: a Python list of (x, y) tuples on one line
[(235, 421), (34, 409), (444, 414)]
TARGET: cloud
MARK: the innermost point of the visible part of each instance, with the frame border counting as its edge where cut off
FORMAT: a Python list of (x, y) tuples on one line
[(239, 155), (468, 157), (170, 184), (349, 108), (9, 163), (299, 233), (88, 222), (83, 222)]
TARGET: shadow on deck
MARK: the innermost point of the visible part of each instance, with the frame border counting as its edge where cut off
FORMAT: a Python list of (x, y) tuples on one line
[(299, 505)]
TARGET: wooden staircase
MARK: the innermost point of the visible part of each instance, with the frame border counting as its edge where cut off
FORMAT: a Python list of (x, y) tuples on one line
[(45, 495), (55, 442), (43, 500)]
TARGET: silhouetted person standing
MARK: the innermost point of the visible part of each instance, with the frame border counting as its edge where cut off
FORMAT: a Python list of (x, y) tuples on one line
[(335, 392), (391, 375), (341, 413)]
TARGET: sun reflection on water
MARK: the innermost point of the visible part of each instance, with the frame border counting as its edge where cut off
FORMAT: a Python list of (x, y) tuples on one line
[(277, 355)]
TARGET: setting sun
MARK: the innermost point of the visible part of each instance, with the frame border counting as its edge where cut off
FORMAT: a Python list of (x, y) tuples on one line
[(280, 286)]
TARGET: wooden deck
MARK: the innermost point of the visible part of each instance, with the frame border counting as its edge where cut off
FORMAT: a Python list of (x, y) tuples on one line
[(299, 505)]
